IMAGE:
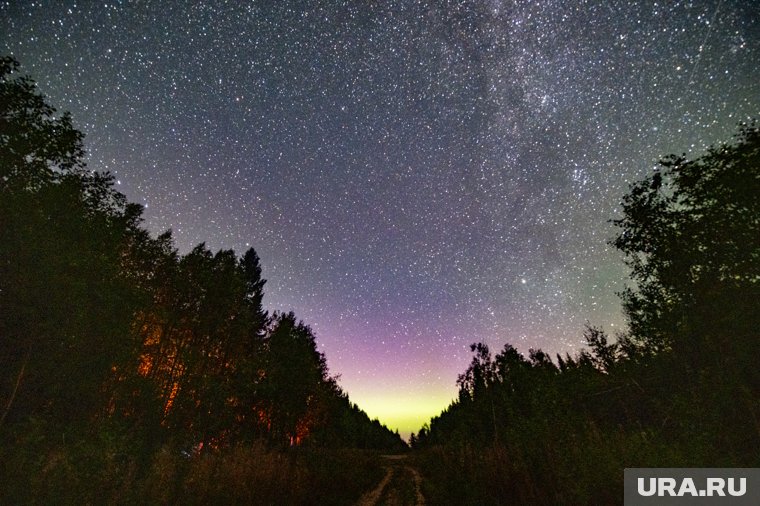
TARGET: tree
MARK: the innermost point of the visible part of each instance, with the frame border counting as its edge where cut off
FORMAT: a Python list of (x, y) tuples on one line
[(691, 235), (479, 375), (295, 371), (254, 290), (603, 353), (35, 144), (65, 304)]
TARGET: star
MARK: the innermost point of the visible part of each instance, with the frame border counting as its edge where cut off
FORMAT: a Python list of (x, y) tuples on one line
[(396, 163)]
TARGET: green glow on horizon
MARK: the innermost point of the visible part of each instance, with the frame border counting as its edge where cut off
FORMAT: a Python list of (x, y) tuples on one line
[(407, 413)]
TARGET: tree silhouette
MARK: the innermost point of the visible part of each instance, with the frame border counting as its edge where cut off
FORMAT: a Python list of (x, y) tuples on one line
[(115, 348), (294, 372), (101, 321), (36, 146), (691, 235), (254, 290), (479, 375), (66, 305), (679, 388)]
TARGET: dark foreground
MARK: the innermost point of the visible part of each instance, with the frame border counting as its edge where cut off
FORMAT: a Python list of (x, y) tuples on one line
[(401, 485), (83, 473)]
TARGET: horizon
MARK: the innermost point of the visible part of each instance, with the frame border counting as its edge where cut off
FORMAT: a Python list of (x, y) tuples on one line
[(414, 179)]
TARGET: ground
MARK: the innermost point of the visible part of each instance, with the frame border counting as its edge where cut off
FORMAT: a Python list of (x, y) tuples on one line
[(399, 487)]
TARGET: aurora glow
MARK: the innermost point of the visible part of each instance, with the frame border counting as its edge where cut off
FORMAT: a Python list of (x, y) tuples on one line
[(415, 175)]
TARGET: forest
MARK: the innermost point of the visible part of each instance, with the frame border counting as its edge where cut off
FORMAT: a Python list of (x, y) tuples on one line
[(133, 374), (679, 388)]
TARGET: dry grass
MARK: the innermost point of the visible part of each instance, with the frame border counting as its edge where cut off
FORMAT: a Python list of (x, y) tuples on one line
[(90, 473)]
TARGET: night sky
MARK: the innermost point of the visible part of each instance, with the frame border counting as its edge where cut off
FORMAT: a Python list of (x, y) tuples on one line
[(415, 175)]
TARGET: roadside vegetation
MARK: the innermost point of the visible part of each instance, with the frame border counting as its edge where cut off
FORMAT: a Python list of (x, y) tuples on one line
[(680, 388), (131, 373)]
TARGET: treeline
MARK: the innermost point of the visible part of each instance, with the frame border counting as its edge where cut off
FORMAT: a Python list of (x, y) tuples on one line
[(680, 388), (109, 335)]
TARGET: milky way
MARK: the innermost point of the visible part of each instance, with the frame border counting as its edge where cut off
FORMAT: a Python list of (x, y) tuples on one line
[(416, 176)]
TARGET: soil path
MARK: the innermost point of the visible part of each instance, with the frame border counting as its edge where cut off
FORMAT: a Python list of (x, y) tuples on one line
[(401, 485)]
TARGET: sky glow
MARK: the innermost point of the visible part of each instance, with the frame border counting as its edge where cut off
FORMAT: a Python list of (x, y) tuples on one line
[(416, 176)]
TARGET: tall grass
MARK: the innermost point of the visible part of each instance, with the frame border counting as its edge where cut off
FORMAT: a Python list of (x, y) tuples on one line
[(98, 471), (569, 469)]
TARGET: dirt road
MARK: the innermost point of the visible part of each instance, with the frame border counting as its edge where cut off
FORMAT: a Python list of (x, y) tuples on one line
[(401, 485)]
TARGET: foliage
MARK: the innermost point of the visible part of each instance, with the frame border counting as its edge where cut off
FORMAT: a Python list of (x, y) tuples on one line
[(104, 470), (143, 375), (679, 390), (66, 309), (119, 355), (691, 235)]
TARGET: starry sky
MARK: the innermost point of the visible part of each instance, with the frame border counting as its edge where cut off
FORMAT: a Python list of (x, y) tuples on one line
[(416, 175)]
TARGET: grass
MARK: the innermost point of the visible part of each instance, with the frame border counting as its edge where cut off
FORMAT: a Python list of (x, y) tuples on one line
[(94, 472)]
